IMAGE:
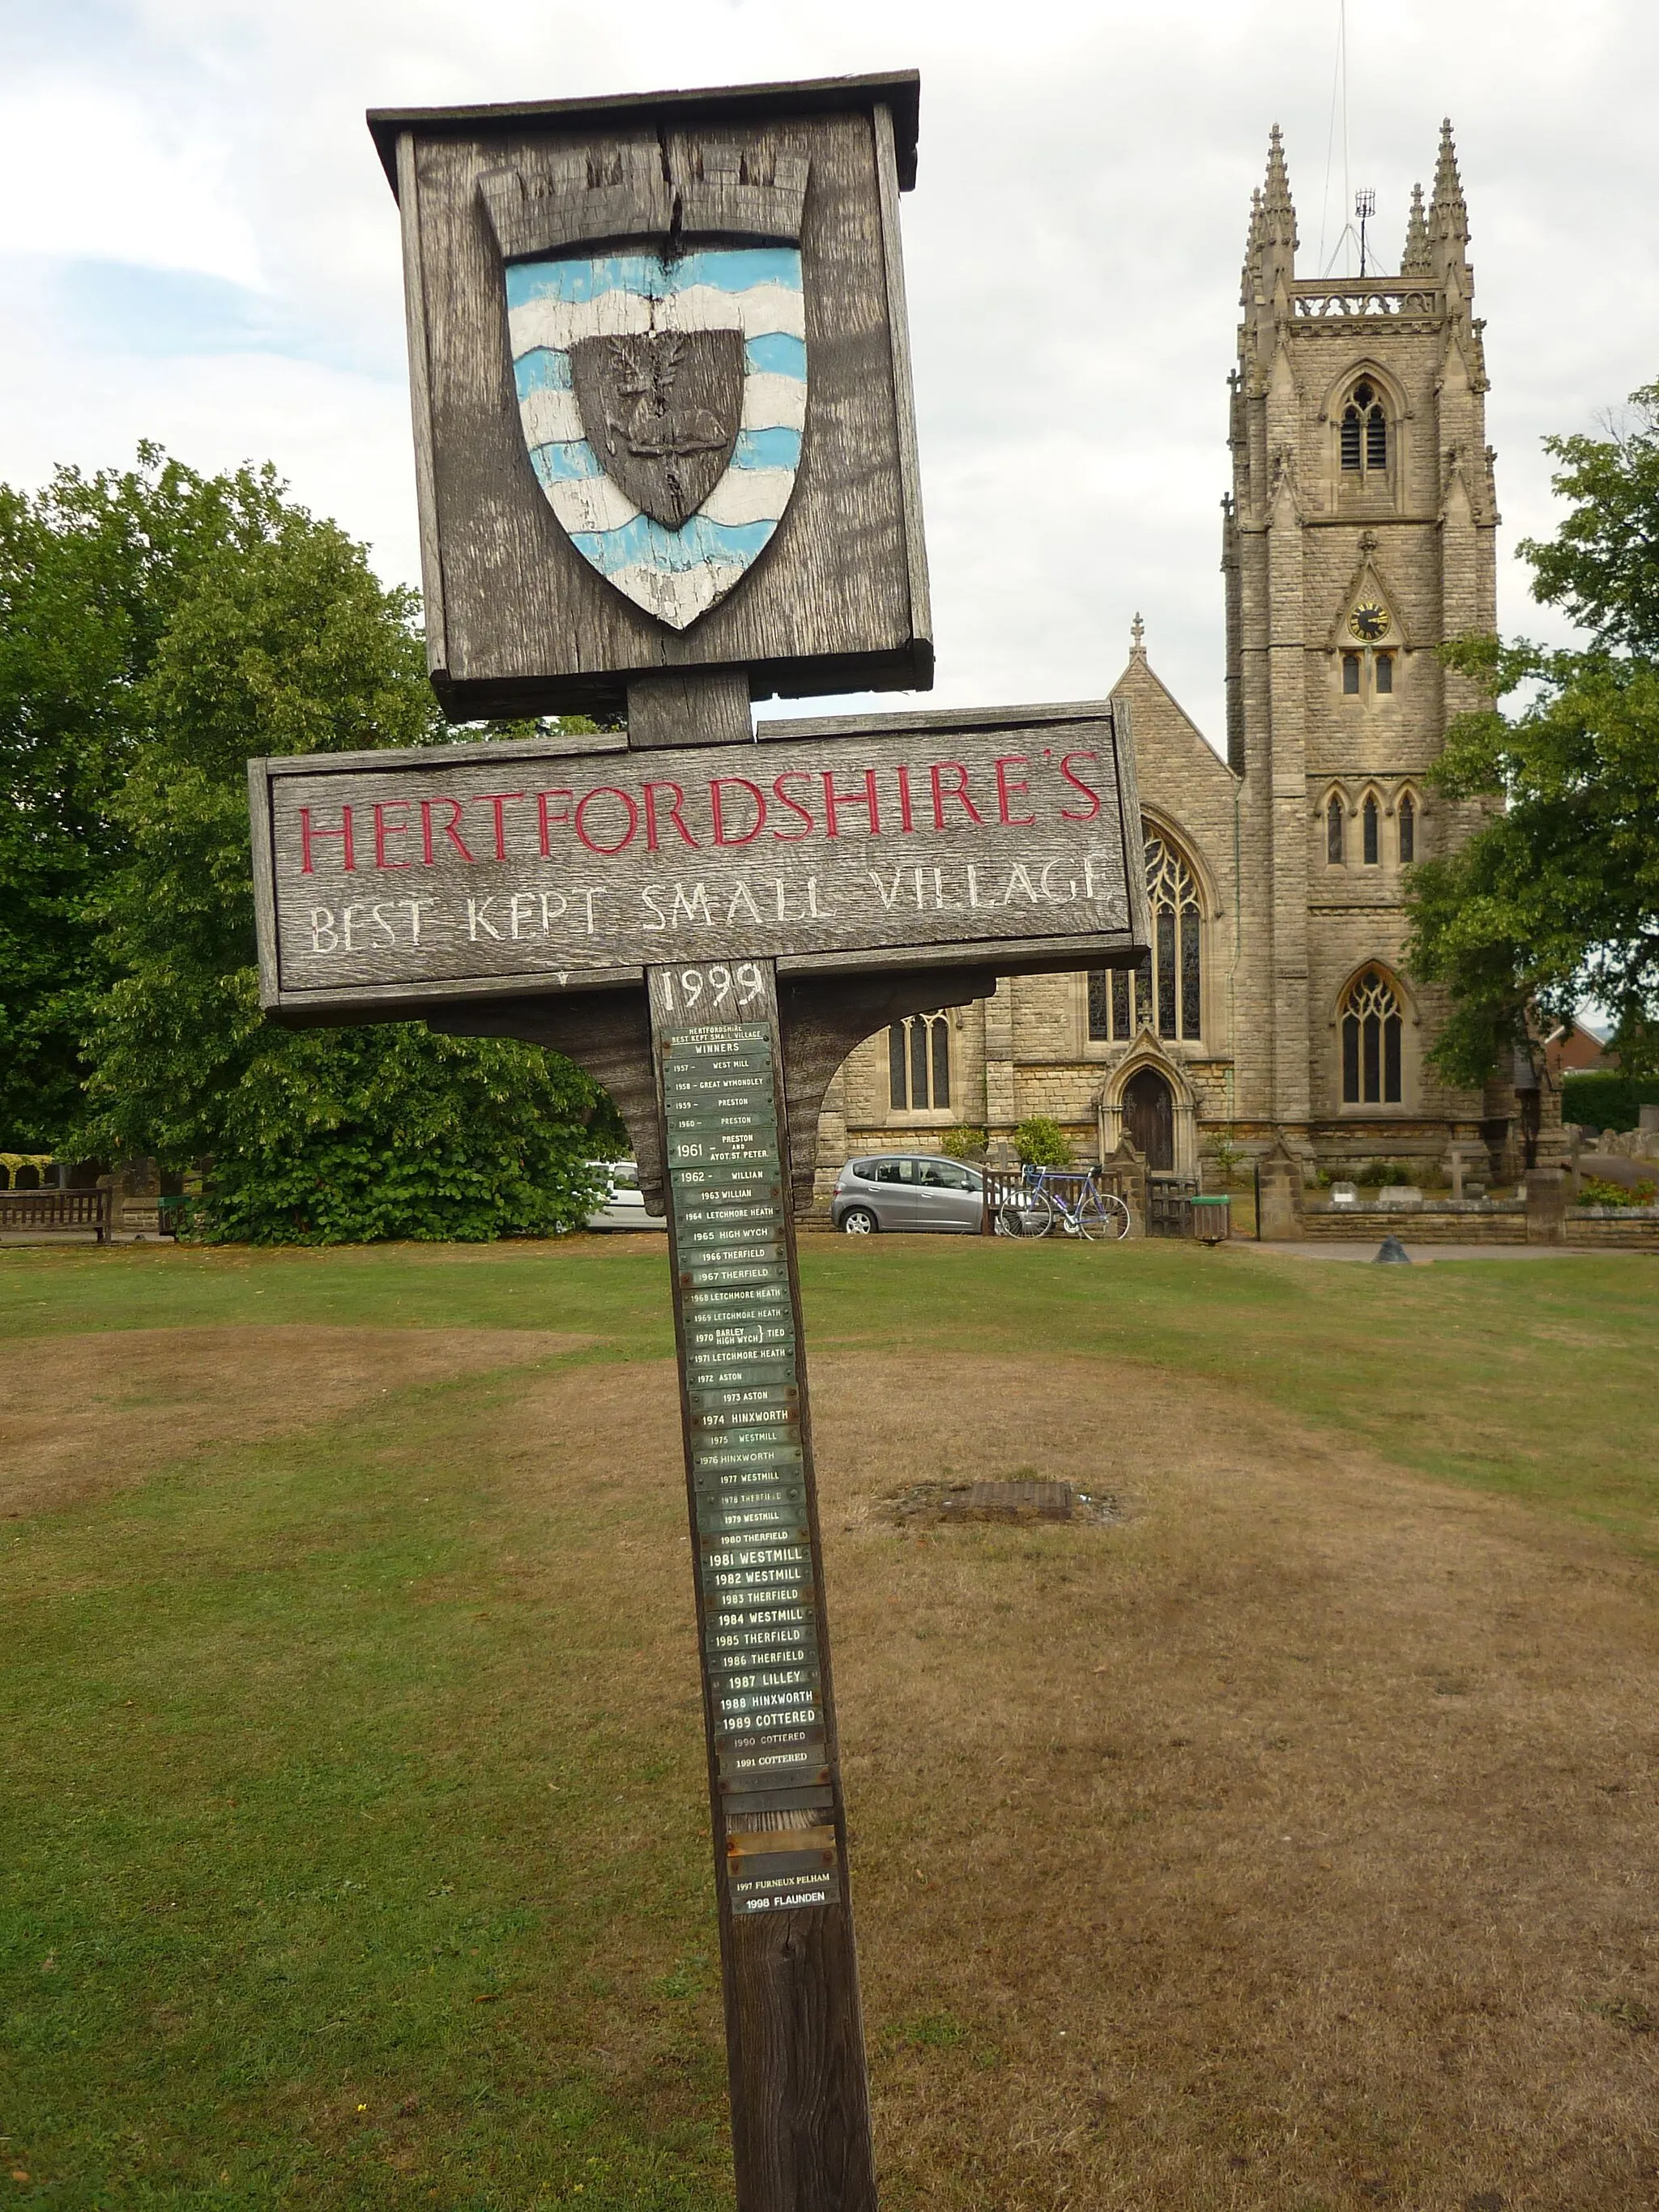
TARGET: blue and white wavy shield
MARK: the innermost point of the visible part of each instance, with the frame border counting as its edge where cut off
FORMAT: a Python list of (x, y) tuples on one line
[(555, 304)]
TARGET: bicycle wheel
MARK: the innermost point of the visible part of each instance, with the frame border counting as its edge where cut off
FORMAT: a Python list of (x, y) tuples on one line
[(1102, 1219), (1031, 1214)]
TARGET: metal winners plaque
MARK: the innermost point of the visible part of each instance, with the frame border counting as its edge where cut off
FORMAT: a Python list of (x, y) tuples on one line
[(666, 463)]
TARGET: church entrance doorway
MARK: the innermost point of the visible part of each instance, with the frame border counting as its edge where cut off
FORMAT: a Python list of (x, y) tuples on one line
[(1149, 1119)]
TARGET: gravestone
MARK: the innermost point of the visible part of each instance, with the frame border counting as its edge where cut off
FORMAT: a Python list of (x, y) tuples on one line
[(666, 463)]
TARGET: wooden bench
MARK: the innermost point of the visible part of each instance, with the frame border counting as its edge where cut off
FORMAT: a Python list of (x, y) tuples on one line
[(35, 1210)]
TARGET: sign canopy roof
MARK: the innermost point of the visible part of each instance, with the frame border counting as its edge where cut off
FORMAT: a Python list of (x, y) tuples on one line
[(899, 90)]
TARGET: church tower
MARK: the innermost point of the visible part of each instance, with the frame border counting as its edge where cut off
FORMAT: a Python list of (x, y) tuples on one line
[(1274, 1005), (1358, 534)]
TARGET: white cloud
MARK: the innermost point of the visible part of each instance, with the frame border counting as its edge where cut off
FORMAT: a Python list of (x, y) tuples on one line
[(95, 174), (1072, 251)]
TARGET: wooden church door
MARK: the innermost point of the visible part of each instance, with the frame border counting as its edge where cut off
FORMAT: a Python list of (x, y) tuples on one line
[(1149, 1119)]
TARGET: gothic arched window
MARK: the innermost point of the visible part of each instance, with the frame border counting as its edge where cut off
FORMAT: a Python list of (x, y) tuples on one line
[(1334, 832), (1371, 832), (1366, 431), (1166, 993), (919, 1064), (1371, 1032), (1407, 813)]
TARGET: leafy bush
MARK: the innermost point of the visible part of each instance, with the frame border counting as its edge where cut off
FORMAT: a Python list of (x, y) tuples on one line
[(355, 1135), (1041, 1143), (1606, 1102), (964, 1144), (1594, 1192), (1376, 1174)]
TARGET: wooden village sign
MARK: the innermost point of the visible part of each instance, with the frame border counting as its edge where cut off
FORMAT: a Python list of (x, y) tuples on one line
[(665, 461)]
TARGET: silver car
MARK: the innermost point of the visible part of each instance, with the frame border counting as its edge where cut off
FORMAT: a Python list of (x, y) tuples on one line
[(908, 1190)]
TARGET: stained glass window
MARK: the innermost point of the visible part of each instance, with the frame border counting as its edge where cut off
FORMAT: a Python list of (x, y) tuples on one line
[(919, 1064), (1371, 1033), (1369, 822), (1408, 816), (1166, 992)]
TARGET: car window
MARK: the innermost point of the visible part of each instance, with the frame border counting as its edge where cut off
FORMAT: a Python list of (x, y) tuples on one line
[(895, 1170), (953, 1178), (864, 1170)]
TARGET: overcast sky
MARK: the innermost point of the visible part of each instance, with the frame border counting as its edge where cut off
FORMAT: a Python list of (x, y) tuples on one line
[(197, 246)]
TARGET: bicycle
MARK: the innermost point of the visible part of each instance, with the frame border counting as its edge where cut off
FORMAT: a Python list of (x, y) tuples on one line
[(1043, 1199)]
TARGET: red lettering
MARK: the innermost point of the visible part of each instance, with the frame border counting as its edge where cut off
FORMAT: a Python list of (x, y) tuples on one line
[(866, 799), (960, 794), (735, 783), (1078, 784), (606, 791), (906, 820), (450, 830), (1005, 788), (793, 836), (674, 805), (548, 821), (498, 800), (308, 837), (383, 830)]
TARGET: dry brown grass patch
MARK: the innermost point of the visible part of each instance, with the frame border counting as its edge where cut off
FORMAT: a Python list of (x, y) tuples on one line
[(1288, 1845), (87, 1414)]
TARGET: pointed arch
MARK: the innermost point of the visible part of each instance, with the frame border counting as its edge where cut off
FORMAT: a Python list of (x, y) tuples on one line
[(1408, 810), (1370, 825), (1366, 409), (1375, 1023), (1365, 369), (1332, 813), (1165, 994), (1148, 1054)]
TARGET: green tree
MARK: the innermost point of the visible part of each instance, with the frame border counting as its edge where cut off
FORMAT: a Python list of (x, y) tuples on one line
[(1556, 898), (242, 625), (91, 573)]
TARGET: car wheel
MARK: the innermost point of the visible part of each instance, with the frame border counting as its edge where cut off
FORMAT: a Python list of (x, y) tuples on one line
[(859, 1221)]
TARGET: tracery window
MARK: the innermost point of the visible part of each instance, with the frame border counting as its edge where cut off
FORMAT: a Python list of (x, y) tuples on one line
[(919, 1064), (1371, 831), (1406, 815), (1371, 1034), (1365, 432), (1166, 993), (1334, 813)]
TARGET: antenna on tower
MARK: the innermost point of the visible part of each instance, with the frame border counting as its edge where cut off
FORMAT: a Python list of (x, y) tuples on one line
[(1364, 206)]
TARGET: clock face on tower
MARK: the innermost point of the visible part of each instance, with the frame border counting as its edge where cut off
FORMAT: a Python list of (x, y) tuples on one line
[(1369, 623)]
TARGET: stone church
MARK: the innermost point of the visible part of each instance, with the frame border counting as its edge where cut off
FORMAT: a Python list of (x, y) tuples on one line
[(1275, 1006)]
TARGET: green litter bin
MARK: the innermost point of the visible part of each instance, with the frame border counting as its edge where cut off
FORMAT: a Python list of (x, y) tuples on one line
[(1213, 1219)]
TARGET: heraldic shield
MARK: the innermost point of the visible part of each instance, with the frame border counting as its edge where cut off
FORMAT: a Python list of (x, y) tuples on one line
[(661, 382)]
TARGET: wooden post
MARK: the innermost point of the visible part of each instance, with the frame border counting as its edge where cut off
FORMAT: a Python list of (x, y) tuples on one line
[(800, 2102)]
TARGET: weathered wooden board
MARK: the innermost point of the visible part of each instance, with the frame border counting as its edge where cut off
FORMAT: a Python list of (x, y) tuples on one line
[(518, 621), (398, 879), (800, 2118)]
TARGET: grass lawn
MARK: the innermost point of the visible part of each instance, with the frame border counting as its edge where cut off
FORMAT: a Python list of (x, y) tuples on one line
[(1287, 1844)]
